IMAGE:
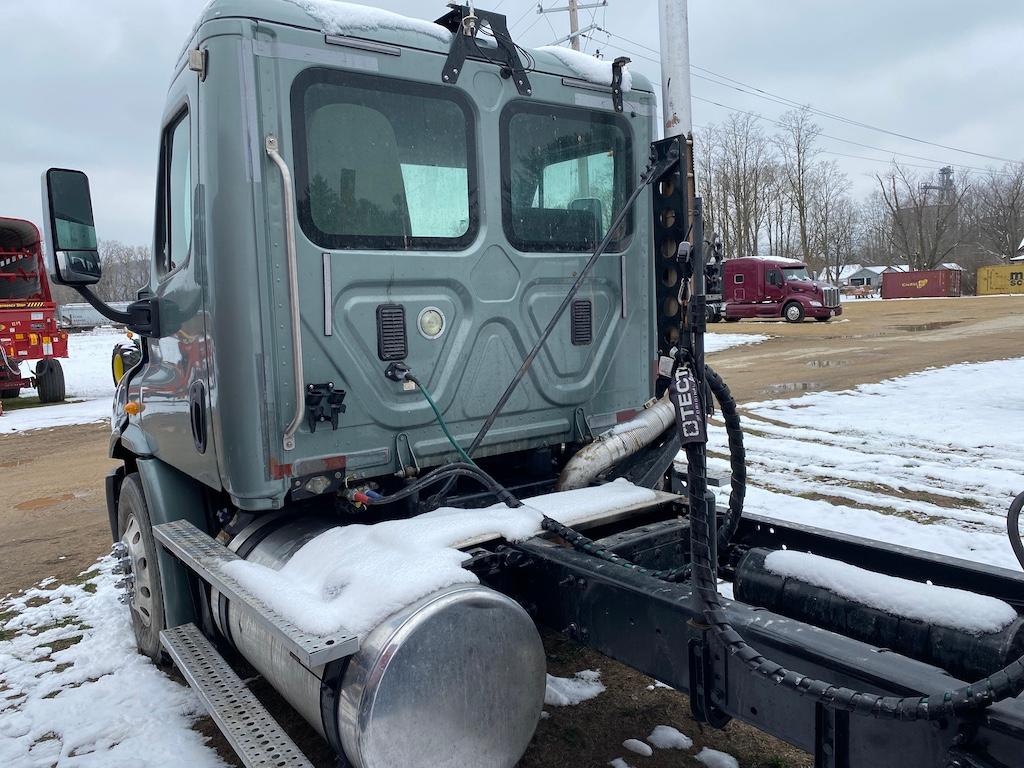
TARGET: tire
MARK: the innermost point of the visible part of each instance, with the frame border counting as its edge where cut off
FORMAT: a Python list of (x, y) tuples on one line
[(50, 381), (122, 360), (136, 532), (793, 312), (9, 394), (823, 319)]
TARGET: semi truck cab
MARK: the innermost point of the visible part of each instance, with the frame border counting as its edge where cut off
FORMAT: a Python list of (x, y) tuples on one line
[(757, 287)]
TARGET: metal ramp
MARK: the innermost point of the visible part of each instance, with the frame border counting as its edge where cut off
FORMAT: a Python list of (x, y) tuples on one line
[(255, 736), (207, 558)]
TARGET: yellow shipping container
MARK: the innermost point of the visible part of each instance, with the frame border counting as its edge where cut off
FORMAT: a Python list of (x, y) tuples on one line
[(1006, 278)]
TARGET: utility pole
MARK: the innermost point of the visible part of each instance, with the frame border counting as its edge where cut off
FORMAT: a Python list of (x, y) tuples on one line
[(675, 68), (574, 8)]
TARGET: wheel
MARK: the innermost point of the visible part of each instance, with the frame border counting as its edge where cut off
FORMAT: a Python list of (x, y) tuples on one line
[(9, 394), (823, 319), (122, 360), (50, 381), (793, 312), (145, 595)]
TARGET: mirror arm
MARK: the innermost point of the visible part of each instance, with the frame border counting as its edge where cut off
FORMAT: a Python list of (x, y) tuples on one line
[(142, 317)]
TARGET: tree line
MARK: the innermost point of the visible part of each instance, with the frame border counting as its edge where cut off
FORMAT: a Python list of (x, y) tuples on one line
[(126, 268), (775, 194)]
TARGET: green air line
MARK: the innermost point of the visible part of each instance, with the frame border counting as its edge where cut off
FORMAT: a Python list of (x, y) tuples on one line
[(441, 421)]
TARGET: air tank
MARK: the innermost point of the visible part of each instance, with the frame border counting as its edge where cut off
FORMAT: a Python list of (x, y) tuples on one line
[(459, 675), (965, 655)]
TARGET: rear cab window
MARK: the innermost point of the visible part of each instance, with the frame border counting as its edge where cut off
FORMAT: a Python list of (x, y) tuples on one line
[(566, 173), (382, 164)]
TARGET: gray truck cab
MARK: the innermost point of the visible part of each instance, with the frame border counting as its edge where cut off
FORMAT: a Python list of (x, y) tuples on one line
[(434, 223)]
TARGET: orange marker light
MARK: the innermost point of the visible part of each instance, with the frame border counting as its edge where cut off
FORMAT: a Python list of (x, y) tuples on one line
[(133, 408)]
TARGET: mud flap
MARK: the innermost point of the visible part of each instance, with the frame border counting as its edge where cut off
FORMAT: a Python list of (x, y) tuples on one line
[(171, 496)]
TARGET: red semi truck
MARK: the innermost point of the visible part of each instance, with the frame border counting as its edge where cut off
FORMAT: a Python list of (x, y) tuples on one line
[(28, 316), (773, 287)]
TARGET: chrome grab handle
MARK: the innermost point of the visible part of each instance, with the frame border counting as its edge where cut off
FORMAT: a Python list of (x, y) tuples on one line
[(293, 288)]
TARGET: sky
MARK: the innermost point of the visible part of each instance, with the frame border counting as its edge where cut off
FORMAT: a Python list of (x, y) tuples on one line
[(83, 83)]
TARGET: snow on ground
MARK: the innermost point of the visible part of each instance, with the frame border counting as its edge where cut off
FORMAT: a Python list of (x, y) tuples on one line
[(570, 691), (639, 747), (719, 342), (86, 378), (930, 460), (667, 737), (712, 758), (74, 691)]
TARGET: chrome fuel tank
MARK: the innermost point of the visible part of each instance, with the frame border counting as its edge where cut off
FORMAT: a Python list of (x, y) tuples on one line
[(455, 679)]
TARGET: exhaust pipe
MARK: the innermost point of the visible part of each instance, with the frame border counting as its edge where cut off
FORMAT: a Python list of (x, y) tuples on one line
[(616, 444)]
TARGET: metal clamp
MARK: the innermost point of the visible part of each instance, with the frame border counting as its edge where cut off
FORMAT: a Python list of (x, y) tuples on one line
[(293, 288)]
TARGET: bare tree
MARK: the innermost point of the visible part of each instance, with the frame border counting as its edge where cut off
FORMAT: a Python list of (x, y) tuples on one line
[(797, 148), (830, 221), (126, 268), (926, 226), (994, 211)]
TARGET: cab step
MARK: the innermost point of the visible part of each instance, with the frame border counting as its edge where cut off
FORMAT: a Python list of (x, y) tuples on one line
[(255, 736), (207, 557)]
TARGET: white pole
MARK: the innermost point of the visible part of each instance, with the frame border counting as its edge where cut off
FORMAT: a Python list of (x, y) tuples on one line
[(677, 108)]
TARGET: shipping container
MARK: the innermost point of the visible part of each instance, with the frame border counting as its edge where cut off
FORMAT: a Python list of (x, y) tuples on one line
[(922, 284), (1005, 278)]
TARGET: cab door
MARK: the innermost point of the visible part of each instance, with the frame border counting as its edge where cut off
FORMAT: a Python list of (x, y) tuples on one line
[(774, 285), (175, 382)]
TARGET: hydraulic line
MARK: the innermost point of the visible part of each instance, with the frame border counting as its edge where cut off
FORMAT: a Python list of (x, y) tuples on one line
[(1013, 528)]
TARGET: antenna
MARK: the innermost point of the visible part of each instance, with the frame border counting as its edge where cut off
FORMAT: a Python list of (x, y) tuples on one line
[(574, 20)]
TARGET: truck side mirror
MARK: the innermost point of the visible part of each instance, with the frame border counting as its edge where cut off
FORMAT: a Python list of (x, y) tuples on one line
[(71, 246)]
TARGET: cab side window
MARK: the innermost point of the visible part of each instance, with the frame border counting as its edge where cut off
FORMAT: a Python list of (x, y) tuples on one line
[(174, 213), (774, 277)]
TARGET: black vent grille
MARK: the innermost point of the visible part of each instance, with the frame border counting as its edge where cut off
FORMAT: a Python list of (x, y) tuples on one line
[(392, 343), (582, 326)]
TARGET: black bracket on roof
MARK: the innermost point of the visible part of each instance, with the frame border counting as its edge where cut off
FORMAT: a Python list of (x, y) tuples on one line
[(465, 23), (617, 66)]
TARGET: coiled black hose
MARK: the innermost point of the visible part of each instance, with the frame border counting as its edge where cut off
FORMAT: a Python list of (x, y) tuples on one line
[(737, 457)]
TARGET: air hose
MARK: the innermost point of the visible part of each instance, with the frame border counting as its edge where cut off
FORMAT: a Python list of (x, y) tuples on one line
[(1006, 683), (1013, 528)]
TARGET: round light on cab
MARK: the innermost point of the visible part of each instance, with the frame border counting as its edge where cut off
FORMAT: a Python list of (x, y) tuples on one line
[(431, 322)]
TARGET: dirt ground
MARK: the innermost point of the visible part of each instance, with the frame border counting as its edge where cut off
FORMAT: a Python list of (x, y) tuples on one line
[(54, 523)]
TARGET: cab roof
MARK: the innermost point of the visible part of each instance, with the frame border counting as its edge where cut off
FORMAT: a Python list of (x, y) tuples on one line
[(343, 18)]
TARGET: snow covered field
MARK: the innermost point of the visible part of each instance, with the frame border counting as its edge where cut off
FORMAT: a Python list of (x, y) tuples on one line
[(931, 460), (87, 380)]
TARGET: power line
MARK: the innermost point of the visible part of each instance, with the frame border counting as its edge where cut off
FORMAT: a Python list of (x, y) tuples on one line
[(791, 104), (770, 96)]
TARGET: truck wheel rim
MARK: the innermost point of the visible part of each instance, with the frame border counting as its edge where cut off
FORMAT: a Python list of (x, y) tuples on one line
[(141, 589), (792, 313)]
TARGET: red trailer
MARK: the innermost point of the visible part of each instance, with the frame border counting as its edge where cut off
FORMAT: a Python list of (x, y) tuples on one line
[(28, 316), (921, 284)]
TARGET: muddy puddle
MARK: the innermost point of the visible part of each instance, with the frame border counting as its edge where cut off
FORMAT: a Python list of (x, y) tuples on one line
[(934, 326), (791, 386)]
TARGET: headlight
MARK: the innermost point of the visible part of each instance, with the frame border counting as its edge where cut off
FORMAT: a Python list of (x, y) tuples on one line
[(816, 304)]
